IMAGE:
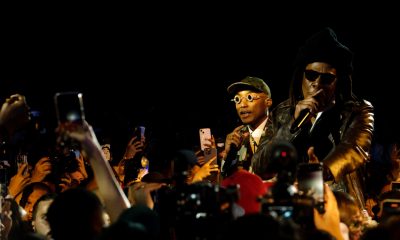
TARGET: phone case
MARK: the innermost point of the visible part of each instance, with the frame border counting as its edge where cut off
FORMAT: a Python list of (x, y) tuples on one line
[(205, 133), (210, 153)]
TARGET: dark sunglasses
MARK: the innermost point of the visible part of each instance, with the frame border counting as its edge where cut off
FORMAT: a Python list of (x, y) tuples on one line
[(326, 78)]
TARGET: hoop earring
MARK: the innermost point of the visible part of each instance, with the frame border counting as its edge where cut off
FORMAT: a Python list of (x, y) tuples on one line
[(267, 112)]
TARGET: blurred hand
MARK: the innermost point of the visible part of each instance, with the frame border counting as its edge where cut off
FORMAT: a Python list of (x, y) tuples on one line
[(19, 180), (234, 137), (14, 113), (6, 218), (133, 148), (312, 158), (42, 169), (205, 170), (65, 183), (210, 142), (81, 163), (330, 220), (140, 193)]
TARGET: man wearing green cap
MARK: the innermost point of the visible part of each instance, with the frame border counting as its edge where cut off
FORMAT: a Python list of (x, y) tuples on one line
[(244, 145)]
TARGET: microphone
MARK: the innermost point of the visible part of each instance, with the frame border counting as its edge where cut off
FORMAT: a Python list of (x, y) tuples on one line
[(303, 118), (231, 159)]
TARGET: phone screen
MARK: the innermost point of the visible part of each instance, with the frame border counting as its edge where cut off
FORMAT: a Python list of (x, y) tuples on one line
[(69, 107), (395, 186), (139, 133), (390, 207), (311, 183)]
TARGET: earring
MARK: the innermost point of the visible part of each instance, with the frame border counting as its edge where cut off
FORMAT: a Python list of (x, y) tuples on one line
[(267, 112)]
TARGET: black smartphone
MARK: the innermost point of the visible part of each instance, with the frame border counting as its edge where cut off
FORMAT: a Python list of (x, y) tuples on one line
[(138, 132), (395, 186), (311, 183), (211, 153), (390, 207), (69, 107)]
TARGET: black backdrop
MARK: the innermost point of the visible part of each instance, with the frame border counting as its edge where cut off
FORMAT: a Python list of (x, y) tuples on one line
[(168, 68)]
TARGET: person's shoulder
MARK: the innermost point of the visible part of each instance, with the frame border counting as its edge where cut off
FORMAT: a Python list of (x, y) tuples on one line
[(359, 104), (282, 106), (281, 112)]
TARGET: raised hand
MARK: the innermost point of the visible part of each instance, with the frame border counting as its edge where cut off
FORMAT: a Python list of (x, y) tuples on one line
[(14, 113), (19, 180), (41, 170)]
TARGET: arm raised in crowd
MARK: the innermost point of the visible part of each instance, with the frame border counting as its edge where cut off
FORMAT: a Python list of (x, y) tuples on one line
[(108, 186), (14, 114)]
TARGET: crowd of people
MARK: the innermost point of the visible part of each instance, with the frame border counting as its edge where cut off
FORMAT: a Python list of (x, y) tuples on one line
[(247, 186)]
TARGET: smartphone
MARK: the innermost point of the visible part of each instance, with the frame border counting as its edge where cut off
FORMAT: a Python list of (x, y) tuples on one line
[(390, 207), (311, 183), (205, 134), (210, 153), (139, 133), (69, 107), (22, 159), (395, 186)]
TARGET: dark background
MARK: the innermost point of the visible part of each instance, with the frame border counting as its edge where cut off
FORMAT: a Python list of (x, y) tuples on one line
[(167, 67)]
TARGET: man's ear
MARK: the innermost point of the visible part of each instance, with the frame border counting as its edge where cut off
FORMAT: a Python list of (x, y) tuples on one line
[(268, 102)]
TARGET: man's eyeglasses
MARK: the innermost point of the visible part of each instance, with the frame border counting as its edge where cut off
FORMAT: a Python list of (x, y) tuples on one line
[(326, 78), (249, 97)]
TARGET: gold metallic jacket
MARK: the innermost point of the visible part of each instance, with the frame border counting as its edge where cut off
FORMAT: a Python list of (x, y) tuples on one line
[(344, 137)]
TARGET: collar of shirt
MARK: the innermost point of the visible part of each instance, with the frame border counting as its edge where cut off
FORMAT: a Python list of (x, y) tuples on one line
[(257, 133), (316, 118)]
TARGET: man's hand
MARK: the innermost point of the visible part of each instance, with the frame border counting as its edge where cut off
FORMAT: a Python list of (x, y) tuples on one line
[(312, 158), (19, 180), (14, 113), (234, 137), (330, 220), (41, 170)]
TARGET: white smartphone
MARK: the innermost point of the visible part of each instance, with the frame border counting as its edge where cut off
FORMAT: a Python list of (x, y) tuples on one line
[(205, 135)]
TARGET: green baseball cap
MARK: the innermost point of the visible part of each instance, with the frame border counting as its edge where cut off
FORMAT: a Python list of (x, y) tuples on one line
[(250, 83)]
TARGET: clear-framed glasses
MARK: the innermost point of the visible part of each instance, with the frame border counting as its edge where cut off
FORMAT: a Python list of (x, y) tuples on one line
[(249, 97)]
